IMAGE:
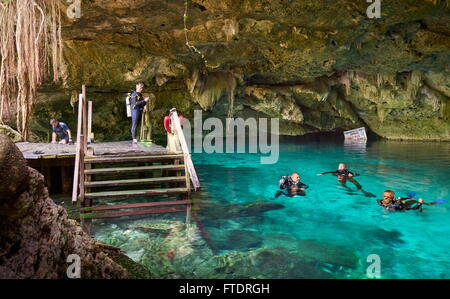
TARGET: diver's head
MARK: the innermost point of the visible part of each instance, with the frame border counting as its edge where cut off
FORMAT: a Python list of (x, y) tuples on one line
[(295, 177), (342, 166), (388, 197)]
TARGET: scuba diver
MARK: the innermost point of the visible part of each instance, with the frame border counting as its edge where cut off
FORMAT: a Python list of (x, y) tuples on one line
[(292, 186), (344, 175), (390, 203)]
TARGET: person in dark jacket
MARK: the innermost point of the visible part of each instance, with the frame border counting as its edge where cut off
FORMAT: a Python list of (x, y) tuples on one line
[(292, 185), (137, 103)]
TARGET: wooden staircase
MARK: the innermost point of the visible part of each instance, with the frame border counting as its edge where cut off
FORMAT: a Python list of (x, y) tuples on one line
[(123, 176), (157, 175)]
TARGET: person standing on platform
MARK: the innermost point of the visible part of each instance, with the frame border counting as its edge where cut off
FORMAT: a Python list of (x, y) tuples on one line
[(137, 103)]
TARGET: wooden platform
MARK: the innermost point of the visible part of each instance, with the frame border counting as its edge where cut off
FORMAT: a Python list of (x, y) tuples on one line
[(56, 161), (32, 151)]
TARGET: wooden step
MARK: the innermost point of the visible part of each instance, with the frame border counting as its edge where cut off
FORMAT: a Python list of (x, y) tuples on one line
[(130, 182), (113, 214), (133, 169), (136, 205), (134, 193), (122, 159)]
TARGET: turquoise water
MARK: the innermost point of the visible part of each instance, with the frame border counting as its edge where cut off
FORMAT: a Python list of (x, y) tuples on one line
[(410, 244), (242, 232)]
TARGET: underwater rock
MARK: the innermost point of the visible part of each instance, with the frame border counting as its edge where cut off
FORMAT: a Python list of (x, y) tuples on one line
[(317, 251), (280, 240), (13, 171), (238, 210), (37, 238), (156, 227), (386, 237), (238, 240), (273, 262), (174, 255)]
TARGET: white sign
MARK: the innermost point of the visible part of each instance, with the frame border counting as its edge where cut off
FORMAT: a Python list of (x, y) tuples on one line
[(356, 135)]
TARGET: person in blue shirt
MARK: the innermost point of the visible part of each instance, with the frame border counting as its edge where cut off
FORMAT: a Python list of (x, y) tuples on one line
[(62, 131), (137, 103)]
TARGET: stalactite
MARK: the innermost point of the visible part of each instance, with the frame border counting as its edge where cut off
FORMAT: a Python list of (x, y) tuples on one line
[(346, 80), (381, 112), (437, 2), (206, 89), (414, 83), (27, 30)]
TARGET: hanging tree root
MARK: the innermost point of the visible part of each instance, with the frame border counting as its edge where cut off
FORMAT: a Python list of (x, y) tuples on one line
[(30, 46)]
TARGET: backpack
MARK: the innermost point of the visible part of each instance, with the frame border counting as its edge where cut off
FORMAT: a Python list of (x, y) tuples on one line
[(128, 104)]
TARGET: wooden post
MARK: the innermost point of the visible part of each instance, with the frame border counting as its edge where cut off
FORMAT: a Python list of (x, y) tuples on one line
[(188, 180), (89, 124), (76, 172), (85, 223), (65, 179), (90, 149), (48, 177), (85, 122)]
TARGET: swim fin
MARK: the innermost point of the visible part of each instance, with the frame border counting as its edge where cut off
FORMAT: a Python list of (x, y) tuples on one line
[(436, 202), (368, 194), (411, 194)]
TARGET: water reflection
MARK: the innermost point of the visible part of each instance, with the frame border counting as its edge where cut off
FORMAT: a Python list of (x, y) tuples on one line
[(355, 146)]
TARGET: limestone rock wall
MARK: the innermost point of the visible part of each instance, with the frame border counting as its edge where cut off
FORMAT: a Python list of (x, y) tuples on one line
[(36, 237), (318, 65)]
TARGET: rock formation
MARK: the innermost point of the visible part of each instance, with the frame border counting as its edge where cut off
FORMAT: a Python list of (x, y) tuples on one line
[(320, 66), (36, 237)]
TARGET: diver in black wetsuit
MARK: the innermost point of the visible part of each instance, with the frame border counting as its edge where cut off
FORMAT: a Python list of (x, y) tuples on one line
[(344, 175), (292, 185), (391, 204)]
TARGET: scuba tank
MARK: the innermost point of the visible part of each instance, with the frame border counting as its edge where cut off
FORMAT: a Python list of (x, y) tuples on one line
[(128, 104)]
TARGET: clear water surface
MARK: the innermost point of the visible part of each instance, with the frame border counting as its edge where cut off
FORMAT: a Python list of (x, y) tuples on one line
[(410, 244)]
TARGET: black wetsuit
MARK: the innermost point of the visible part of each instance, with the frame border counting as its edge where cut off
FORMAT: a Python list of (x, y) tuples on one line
[(344, 176), (399, 205), (292, 188)]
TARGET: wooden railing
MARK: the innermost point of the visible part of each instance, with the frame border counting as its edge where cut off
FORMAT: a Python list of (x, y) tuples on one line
[(190, 169), (83, 132)]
